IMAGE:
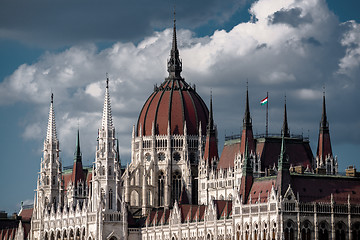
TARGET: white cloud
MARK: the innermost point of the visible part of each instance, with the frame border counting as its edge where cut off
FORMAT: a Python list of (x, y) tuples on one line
[(32, 131), (278, 57)]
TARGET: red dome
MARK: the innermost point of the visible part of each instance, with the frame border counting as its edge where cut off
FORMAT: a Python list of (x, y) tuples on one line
[(174, 102)]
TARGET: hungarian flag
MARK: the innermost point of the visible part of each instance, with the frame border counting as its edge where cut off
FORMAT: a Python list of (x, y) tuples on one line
[(264, 101)]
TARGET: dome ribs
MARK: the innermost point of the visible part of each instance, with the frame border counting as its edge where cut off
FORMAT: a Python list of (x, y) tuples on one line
[(160, 120), (190, 111), (170, 105), (142, 116), (151, 114)]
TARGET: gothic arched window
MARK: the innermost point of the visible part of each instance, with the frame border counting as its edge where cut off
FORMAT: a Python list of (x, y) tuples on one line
[(161, 184), (306, 231), (340, 231), (289, 230), (176, 183), (323, 231), (356, 231)]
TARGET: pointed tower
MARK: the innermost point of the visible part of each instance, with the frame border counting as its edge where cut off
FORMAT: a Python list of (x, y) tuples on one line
[(247, 137), (324, 155), (285, 128), (174, 63), (77, 174), (106, 180), (76, 190), (211, 150), (49, 186), (247, 176), (283, 176)]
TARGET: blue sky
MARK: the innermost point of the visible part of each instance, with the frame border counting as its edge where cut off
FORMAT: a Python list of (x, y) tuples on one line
[(291, 47)]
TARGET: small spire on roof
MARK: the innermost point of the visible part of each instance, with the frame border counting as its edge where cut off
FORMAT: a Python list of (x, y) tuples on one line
[(285, 128), (77, 157)]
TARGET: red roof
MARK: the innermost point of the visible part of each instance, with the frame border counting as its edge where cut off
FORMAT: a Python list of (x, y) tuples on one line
[(324, 145), (174, 102), (298, 151), (247, 134), (26, 213), (261, 187), (315, 188), (77, 173), (211, 150), (228, 154), (67, 177)]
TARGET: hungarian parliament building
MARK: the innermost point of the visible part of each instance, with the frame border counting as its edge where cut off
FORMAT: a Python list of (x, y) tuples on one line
[(177, 186)]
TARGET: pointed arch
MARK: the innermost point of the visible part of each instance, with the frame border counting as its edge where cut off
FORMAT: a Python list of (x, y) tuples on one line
[(355, 231), (340, 230), (324, 228), (161, 188), (134, 198), (289, 230), (176, 185), (306, 230)]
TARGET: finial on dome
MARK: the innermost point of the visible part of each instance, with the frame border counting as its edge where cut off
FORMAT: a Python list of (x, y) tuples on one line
[(52, 98), (174, 63)]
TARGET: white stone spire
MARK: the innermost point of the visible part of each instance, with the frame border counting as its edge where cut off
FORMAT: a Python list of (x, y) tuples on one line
[(107, 115), (51, 135)]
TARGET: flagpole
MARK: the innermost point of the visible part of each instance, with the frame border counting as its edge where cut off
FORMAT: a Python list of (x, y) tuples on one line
[(267, 114)]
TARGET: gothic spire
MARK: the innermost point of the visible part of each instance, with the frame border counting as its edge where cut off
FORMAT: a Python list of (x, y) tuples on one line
[(324, 125), (51, 135), (247, 118), (107, 115), (285, 128), (77, 155), (211, 149), (174, 63), (210, 126), (247, 137), (324, 148), (77, 173)]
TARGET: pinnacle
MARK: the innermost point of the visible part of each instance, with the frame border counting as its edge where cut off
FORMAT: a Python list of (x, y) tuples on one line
[(174, 63), (107, 114), (51, 129), (285, 128), (77, 157), (247, 118)]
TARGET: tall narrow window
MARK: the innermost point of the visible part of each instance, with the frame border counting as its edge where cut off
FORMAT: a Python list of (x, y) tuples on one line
[(110, 199), (176, 183), (161, 184)]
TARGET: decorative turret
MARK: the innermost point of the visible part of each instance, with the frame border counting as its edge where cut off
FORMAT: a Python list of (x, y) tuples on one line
[(105, 187), (174, 63), (247, 137), (211, 149), (285, 128), (49, 186)]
